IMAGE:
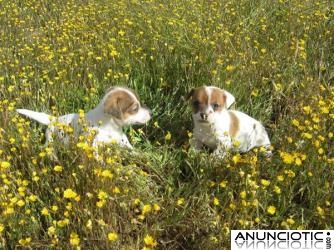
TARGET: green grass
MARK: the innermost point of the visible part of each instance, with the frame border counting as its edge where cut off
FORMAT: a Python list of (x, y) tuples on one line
[(276, 57)]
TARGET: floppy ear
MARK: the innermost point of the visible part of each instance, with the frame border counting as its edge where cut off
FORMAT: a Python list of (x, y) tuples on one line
[(230, 99), (111, 105), (190, 94)]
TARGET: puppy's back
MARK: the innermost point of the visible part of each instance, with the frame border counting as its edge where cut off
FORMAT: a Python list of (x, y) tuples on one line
[(251, 133)]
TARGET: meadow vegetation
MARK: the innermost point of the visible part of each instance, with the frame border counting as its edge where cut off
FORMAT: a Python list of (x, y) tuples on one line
[(275, 56)]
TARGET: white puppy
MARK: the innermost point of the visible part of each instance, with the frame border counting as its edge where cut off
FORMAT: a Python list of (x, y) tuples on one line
[(119, 107), (220, 129)]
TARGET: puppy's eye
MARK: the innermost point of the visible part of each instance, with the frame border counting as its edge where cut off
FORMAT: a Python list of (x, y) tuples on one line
[(135, 109), (195, 104), (215, 106)]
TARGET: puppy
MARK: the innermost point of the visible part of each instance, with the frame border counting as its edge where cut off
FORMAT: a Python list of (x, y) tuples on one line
[(119, 107), (221, 129)]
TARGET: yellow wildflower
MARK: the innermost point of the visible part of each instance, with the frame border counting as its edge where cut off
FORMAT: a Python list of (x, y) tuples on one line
[(287, 158), (136, 201), (70, 194), (102, 195), (168, 136), (58, 168), (243, 194), (180, 201), (45, 211), (271, 210), (112, 236), (51, 231), (156, 124), (4, 165), (54, 208), (21, 203), (236, 158), (156, 207), (280, 178), (230, 68), (150, 241), (295, 122), (63, 223), (265, 183), (146, 209), (100, 203), (290, 221), (320, 211), (116, 190), (106, 174), (74, 239), (25, 242)]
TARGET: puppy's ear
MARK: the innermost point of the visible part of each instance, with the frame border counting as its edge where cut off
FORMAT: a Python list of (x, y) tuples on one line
[(117, 103), (230, 99), (111, 105), (190, 94)]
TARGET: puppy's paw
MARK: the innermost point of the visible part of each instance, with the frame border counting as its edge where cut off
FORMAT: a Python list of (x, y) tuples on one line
[(267, 152), (219, 153), (195, 144)]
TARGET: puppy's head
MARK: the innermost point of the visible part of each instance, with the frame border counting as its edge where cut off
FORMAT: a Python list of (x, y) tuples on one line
[(209, 101), (124, 106)]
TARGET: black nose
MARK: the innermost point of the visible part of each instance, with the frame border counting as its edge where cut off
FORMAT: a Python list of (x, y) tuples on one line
[(203, 116)]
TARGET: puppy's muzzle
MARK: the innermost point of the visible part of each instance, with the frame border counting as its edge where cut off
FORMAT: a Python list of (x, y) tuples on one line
[(149, 111), (204, 116)]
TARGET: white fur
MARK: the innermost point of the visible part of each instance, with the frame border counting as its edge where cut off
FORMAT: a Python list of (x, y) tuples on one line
[(108, 128), (213, 132), (230, 99)]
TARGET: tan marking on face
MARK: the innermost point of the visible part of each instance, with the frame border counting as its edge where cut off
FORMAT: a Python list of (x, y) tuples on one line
[(218, 99), (121, 104), (234, 124), (199, 99)]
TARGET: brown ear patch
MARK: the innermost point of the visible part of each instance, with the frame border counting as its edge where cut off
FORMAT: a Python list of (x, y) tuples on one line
[(234, 124), (118, 103), (218, 99), (199, 98), (190, 94)]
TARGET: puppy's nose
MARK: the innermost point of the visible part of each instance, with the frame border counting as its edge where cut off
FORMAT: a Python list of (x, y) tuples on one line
[(204, 116)]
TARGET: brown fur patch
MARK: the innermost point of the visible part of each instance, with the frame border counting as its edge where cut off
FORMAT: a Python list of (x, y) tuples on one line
[(120, 104), (218, 98), (199, 98), (234, 124)]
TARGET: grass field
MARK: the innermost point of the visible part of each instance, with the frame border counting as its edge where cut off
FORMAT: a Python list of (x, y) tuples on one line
[(275, 56)]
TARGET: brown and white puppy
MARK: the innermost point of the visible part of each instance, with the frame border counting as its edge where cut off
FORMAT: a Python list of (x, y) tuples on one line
[(119, 107), (221, 129)]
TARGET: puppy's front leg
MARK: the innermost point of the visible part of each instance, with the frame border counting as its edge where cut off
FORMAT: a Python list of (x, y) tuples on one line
[(125, 142), (224, 145), (196, 144)]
